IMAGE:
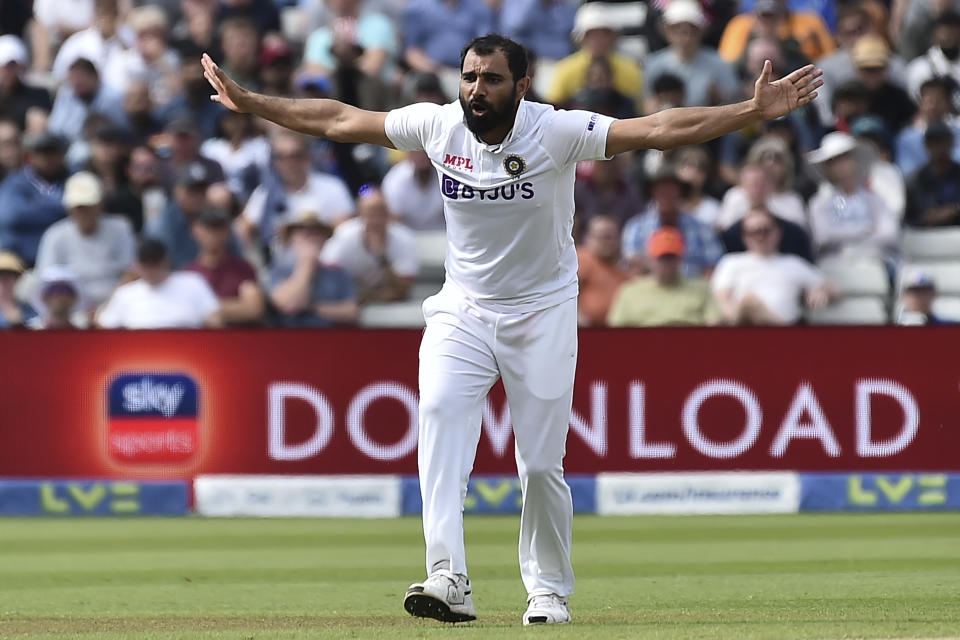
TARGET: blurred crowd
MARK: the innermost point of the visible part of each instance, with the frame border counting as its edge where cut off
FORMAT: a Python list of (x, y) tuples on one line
[(130, 200)]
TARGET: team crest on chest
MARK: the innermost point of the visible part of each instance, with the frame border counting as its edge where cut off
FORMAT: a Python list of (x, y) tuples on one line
[(514, 165)]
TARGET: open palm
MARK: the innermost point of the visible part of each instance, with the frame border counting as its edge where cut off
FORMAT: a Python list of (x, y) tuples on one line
[(774, 99), (229, 93)]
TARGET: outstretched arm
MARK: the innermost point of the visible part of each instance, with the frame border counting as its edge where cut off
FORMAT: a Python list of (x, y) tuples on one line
[(693, 125), (329, 119)]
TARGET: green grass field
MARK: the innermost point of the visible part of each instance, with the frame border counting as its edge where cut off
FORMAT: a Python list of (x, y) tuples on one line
[(776, 577)]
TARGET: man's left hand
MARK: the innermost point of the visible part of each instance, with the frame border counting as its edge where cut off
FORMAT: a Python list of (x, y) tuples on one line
[(774, 99)]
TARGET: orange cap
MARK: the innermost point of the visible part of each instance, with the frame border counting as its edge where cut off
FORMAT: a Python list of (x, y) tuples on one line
[(665, 241)]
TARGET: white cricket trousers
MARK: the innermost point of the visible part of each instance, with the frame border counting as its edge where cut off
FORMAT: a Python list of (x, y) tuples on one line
[(465, 349)]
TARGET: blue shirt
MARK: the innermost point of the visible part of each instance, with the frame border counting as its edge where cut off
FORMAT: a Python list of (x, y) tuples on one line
[(911, 152), (374, 31), (172, 228), (28, 206), (703, 248), (442, 30), (70, 112), (542, 27), (330, 284)]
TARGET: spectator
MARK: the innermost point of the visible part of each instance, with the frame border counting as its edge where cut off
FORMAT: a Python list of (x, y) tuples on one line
[(436, 30), (173, 227), (291, 190), (160, 299), (56, 297), (151, 60), (99, 249), (140, 197), (804, 179), (54, 21), (871, 56), (193, 101), (380, 255), (241, 150), (11, 148), (934, 106), (306, 292), (31, 197), (846, 216), (17, 97), (764, 287), (694, 169), (413, 198), (917, 297), (262, 13), (276, 68), (601, 271), (106, 39), (665, 297), (108, 156), (942, 60), (851, 100), (232, 278), (853, 21), (707, 77), (667, 191), (596, 32), (13, 313), (885, 178), (240, 43), (803, 30), (604, 189), (362, 35), (598, 93), (757, 189), (666, 91), (82, 95), (141, 115), (911, 23), (934, 192), (543, 26), (183, 139)]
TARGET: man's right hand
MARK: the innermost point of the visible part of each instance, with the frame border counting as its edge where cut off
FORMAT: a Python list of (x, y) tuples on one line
[(229, 93)]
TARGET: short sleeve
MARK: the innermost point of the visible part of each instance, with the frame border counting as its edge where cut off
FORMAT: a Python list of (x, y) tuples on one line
[(110, 315), (574, 136), (204, 299), (409, 128)]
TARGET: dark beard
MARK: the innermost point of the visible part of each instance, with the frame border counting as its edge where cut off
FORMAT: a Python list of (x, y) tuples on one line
[(951, 53), (493, 117)]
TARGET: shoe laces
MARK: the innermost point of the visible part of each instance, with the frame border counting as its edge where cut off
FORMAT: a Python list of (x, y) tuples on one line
[(447, 575), (547, 600)]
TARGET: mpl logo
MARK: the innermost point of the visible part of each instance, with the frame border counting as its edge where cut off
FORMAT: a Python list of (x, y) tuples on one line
[(153, 418), (458, 162)]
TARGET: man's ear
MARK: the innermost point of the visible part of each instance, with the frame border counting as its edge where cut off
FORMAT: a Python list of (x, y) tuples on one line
[(523, 86)]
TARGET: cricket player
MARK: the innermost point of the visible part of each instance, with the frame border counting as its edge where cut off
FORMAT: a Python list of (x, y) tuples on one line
[(508, 308)]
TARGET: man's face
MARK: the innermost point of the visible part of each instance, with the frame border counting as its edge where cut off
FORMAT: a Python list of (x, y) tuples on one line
[(190, 198), (49, 165), (307, 238), (143, 167), (105, 21), (842, 170), (10, 75), (755, 184), (599, 42), (873, 77), (151, 43), (939, 150), (154, 274), (292, 160), (184, 145), (849, 28), (666, 269), (11, 151), (603, 239), (919, 300), (761, 235), (136, 100), (934, 103), (947, 37), (60, 299), (488, 95), (667, 195), (684, 36), (83, 83), (85, 217), (240, 47), (8, 282), (211, 237), (373, 211)]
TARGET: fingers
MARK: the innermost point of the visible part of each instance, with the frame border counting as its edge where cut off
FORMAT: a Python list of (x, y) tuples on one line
[(767, 72), (803, 71)]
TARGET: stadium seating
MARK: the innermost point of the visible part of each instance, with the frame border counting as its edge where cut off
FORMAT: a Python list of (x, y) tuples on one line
[(392, 315), (857, 310), (929, 245), (432, 250), (857, 277), (946, 275)]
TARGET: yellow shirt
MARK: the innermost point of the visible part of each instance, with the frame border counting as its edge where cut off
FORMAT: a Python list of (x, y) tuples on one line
[(570, 74), (808, 29), (644, 303)]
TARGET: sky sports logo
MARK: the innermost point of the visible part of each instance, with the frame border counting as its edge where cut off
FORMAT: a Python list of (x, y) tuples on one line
[(153, 418)]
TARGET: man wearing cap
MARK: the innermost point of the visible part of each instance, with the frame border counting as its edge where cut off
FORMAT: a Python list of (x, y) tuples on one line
[(231, 277), (773, 18), (183, 137), (707, 77), (763, 287), (17, 98), (933, 193), (601, 270), (703, 248), (665, 297), (83, 94), (276, 68), (847, 216), (160, 298), (306, 291), (13, 313), (55, 299), (596, 31), (379, 254), (32, 196), (871, 56), (98, 248), (918, 296)]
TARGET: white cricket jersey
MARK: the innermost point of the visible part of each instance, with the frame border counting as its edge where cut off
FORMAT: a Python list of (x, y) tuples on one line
[(509, 207)]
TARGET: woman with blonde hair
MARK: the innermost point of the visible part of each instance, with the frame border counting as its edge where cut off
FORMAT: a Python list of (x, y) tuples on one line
[(772, 154)]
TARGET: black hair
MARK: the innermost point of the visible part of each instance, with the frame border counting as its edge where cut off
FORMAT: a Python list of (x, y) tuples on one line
[(83, 64), (516, 54), (948, 18), (852, 90), (151, 252), (666, 82), (946, 84)]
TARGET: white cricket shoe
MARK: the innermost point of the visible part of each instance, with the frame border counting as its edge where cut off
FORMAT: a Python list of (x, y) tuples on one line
[(444, 596), (547, 609)]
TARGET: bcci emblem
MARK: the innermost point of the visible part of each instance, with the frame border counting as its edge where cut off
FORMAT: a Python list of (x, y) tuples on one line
[(514, 165)]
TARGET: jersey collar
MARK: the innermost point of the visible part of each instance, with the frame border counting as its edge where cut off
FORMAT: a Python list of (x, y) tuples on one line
[(518, 123)]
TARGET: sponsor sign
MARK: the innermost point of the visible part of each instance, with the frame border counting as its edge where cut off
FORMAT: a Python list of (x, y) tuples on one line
[(880, 491), (622, 494), (501, 494), (52, 497), (298, 496)]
